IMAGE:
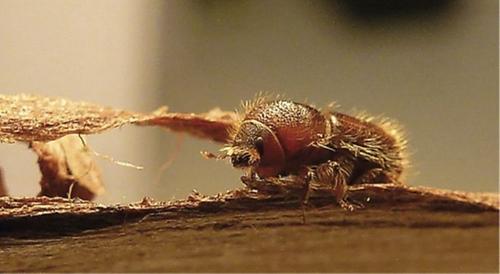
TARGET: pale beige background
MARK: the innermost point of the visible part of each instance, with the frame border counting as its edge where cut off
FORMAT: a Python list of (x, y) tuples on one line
[(436, 72)]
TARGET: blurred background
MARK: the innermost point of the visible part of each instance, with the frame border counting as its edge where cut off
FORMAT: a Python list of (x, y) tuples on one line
[(431, 65)]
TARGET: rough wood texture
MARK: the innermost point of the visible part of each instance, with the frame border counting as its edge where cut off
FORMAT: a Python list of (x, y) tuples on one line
[(401, 229), (213, 125), (52, 127), (42, 215), (27, 118), (30, 118)]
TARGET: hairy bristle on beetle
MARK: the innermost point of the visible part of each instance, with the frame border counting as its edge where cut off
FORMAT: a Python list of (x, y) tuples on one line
[(279, 138)]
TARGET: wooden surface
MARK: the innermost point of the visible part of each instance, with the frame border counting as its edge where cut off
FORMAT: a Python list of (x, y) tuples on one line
[(332, 240), (401, 229)]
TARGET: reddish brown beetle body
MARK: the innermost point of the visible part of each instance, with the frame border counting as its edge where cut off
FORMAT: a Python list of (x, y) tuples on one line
[(281, 138)]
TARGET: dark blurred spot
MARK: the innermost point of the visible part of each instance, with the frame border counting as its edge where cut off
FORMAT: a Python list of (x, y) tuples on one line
[(372, 10)]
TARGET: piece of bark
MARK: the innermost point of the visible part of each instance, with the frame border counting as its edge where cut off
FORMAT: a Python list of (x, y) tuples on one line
[(60, 215), (213, 125), (26, 118), (47, 124), (68, 169)]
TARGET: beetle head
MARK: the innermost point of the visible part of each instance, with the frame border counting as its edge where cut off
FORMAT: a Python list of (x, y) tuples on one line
[(254, 146), (247, 146)]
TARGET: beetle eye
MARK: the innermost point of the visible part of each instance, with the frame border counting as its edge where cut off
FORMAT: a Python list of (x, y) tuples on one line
[(259, 145)]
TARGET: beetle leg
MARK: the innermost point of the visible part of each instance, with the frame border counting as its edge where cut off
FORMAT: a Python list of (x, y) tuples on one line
[(307, 191), (307, 187), (336, 174)]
